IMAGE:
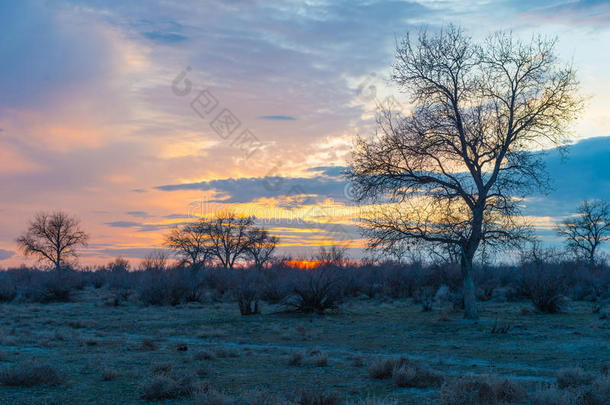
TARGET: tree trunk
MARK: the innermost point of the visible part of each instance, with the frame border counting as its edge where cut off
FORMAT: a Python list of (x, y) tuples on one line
[(470, 301)]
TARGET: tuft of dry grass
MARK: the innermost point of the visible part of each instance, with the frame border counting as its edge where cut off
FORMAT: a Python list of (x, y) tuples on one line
[(29, 374)]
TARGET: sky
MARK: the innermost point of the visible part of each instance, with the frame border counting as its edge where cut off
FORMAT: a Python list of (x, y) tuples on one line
[(138, 116)]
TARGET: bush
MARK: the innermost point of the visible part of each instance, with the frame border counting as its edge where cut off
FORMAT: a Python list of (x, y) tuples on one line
[(30, 374), (480, 390), (415, 374), (166, 385), (315, 291), (543, 286), (598, 393), (405, 372), (317, 398), (381, 369), (553, 396), (573, 377)]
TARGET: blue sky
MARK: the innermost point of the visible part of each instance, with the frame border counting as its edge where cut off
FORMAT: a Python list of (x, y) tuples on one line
[(89, 122)]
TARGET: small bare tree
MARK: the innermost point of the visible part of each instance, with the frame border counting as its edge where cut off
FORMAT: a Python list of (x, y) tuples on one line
[(53, 237), (585, 231), (335, 255), (190, 242), (452, 171), (261, 246), (156, 260)]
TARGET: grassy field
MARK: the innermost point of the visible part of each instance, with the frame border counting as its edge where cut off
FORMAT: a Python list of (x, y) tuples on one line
[(106, 354)]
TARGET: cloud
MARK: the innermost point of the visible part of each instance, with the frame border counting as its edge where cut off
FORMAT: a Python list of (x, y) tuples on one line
[(244, 190), (168, 37), (138, 214), (590, 13), (6, 254), (277, 117), (122, 224)]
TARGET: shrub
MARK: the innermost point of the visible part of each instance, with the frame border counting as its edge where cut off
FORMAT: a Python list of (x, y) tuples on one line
[(317, 398), (405, 372), (480, 390), (165, 385), (247, 292), (543, 287), (108, 374), (573, 377), (381, 369), (204, 355), (315, 291), (148, 344), (598, 393), (552, 396), (222, 352), (425, 296), (296, 359), (30, 374), (8, 291), (414, 374)]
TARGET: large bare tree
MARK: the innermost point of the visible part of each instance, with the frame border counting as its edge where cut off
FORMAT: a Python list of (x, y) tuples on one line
[(452, 170), (53, 237), (585, 231), (229, 237)]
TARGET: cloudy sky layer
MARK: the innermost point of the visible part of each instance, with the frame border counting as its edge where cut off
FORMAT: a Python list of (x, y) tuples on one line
[(111, 110)]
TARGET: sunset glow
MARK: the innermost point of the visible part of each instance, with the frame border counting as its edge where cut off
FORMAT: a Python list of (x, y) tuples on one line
[(112, 113)]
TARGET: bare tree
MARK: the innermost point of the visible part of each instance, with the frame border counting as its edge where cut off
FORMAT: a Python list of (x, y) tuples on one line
[(156, 260), (229, 237), (261, 246), (335, 255), (53, 237), (585, 231), (451, 172), (191, 243)]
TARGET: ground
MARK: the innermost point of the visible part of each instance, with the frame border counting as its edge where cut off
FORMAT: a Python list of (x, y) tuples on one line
[(87, 338)]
